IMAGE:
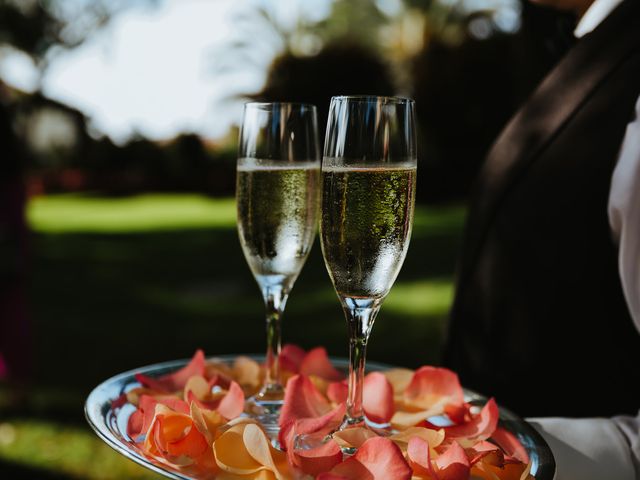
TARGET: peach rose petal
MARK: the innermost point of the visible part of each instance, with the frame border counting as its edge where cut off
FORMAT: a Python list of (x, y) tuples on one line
[(317, 363), (259, 447), (453, 464), (404, 419), (247, 372), (419, 457), (378, 398), (510, 471), (176, 380), (480, 427), (206, 421), (337, 392), (140, 421), (320, 459), (430, 385), (377, 459), (291, 357), (432, 437), (231, 454), (399, 378), (510, 445), (353, 437)]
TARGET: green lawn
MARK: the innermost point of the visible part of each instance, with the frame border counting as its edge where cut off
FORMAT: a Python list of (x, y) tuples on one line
[(121, 282)]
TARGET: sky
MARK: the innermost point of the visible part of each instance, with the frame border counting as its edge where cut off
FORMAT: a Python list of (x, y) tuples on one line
[(151, 70)]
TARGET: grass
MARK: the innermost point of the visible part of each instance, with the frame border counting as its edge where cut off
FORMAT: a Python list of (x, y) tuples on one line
[(122, 282)]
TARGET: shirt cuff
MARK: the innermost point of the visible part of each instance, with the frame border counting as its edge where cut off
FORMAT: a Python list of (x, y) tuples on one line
[(586, 449)]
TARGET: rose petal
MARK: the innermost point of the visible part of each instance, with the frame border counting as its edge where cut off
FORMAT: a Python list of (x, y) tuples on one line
[(479, 427), (176, 380), (231, 454), (432, 437), (247, 373), (419, 456), (320, 459), (317, 362), (141, 420), (353, 437), (402, 420), (485, 452), (337, 392), (259, 447), (378, 398), (510, 471), (510, 444), (378, 459), (302, 400), (453, 464), (198, 386), (206, 421), (232, 405), (291, 357), (430, 385), (399, 378)]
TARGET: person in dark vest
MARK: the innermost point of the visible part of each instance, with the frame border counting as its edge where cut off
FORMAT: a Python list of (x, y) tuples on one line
[(546, 315)]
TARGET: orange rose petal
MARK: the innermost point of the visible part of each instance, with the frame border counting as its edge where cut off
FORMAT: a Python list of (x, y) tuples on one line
[(507, 472), (419, 456), (232, 405), (302, 400), (197, 385), (429, 385), (480, 427), (193, 444), (399, 378), (176, 380), (377, 459), (453, 464), (317, 362), (378, 398), (259, 447), (206, 421), (320, 459), (510, 444), (291, 357), (402, 420)]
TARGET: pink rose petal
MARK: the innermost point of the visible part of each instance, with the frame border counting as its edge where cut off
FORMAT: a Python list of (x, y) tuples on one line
[(176, 380), (337, 392), (291, 357), (317, 363), (232, 405), (510, 444), (378, 398), (377, 459), (479, 427), (320, 459), (430, 385), (302, 400), (453, 464), (419, 456)]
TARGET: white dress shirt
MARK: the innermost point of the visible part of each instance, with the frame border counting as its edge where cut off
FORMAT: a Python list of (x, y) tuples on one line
[(602, 448)]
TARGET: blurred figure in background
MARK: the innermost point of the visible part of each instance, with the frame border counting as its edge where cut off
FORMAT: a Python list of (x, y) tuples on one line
[(15, 339), (547, 306)]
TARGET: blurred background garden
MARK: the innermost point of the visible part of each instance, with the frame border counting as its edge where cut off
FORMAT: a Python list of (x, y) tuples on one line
[(118, 131)]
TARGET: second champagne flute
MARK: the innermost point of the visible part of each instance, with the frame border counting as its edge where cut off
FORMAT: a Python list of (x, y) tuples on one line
[(278, 194)]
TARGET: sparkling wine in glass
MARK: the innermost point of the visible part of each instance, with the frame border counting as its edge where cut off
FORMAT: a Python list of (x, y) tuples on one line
[(278, 197), (368, 196)]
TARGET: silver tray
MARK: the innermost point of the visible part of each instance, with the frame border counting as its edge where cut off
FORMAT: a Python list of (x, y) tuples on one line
[(111, 424)]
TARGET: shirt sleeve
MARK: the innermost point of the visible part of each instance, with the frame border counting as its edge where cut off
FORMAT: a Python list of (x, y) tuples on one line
[(591, 448), (624, 214)]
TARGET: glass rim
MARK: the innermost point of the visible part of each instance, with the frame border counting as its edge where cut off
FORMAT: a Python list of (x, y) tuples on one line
[(260, 104), (374, 99)]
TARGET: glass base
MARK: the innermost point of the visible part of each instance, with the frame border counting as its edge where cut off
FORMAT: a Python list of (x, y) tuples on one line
[(314, 440), (265, 408)]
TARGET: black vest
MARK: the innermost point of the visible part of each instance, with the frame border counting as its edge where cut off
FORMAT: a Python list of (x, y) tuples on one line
[(539, 318)]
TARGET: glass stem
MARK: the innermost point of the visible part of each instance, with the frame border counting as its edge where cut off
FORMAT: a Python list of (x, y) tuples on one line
[(275, 299), (360, 316)]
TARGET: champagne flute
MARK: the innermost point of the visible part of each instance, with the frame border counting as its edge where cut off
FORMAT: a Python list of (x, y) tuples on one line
[(278, 200), (368, 196)]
